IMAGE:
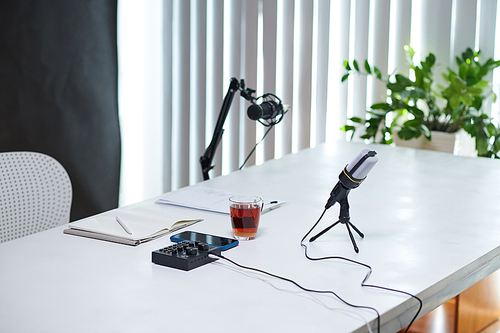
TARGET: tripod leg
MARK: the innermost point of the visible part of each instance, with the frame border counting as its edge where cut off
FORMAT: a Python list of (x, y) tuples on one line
[(322, 232), (357, 230), (352, 238)]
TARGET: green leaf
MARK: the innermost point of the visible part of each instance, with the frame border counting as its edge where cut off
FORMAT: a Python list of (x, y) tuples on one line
[(347, 128), (419, 114), (409, 50), (405, 94), (346, 65), (454, 101), (367, 67), (404, 81), (395, 87), (429, 61), (482, 84), (345, 77), (425, 131), (380, 106), (355, 64), (466, 99), (457, 85), (412, 124), (486, 132), (491, 129), (481, 146), (463, 70), (418, 93), (357, 120), (377, 113), (475, 91), (406, 133), (377, 73), (468, 54), (456, 113)]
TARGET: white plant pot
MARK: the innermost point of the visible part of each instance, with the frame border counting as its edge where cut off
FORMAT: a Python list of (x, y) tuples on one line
[(459, 143)]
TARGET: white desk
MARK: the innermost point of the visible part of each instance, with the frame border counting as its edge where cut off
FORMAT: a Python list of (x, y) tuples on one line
[(431, 225)]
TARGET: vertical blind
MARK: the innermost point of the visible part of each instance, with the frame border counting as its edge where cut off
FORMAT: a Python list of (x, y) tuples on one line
[(176, 59)]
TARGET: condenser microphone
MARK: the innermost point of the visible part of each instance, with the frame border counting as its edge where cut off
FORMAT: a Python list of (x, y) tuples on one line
[(353, 175), (266, 110), (355, 172)]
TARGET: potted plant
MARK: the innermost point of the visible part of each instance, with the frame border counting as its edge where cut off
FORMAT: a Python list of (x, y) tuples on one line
[(415, 108)]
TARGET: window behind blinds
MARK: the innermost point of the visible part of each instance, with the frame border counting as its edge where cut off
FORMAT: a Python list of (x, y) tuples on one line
[(176, 59)]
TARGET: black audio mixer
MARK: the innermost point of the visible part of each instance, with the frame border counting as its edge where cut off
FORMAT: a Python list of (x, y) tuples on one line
[(185, 255)]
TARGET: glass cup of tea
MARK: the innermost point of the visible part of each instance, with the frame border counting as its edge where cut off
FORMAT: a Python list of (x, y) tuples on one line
[(245, 215)]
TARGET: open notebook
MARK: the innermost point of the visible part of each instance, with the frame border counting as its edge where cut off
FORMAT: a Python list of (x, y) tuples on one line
[(144, 224)]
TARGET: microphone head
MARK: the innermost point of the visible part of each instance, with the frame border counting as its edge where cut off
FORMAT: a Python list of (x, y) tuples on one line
[(265, 110), (355, 172), (362, 164), (254, 112)]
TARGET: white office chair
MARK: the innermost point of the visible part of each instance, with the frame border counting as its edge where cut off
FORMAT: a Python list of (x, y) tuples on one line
[(35, 194)]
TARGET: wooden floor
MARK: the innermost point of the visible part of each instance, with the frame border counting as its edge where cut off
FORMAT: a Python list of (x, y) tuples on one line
[(475, 310), (493, 328), (443, 320)]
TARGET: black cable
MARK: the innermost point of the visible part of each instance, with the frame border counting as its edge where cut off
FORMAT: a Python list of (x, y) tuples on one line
[(255, 147), (363, 283), (299, 286), (270, 123)]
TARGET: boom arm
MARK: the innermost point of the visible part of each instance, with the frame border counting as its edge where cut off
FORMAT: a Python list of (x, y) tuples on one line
[(208, 156)]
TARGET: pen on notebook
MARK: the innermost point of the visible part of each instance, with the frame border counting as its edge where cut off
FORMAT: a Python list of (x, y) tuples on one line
[(119, 220), (274, 204)]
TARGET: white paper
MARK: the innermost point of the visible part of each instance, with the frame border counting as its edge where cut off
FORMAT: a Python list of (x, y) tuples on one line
[(205, 198)]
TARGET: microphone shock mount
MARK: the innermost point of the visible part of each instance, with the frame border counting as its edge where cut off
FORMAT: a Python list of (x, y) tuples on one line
[(269, 112)]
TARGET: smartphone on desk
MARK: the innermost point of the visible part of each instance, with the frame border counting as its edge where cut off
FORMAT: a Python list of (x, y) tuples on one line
[(222, 242)]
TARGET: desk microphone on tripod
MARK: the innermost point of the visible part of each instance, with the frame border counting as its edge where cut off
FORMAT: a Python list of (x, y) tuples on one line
[(351, 177)]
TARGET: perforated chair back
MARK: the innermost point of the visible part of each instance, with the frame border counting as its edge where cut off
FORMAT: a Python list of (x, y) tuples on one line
[(35, 194)]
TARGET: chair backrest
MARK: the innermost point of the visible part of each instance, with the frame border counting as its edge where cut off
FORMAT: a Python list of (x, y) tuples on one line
[(35, 194)]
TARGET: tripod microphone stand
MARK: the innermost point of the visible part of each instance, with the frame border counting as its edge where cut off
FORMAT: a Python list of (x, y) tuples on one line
[(350, 178), (344, 218)]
